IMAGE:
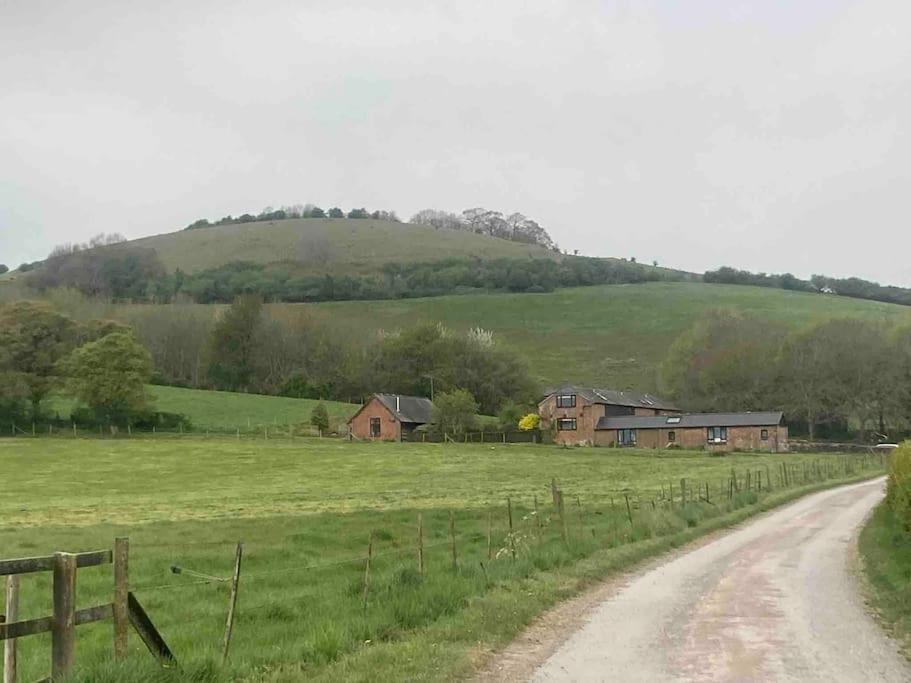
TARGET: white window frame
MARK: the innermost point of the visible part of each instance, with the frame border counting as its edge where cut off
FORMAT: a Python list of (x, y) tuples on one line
[(716, 434), (561, 428), (631, 437), (563, 399)]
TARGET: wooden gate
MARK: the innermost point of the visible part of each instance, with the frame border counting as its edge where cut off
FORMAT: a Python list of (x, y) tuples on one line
[(124, 609)]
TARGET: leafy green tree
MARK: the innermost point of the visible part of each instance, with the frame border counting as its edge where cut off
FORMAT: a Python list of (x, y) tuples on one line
[(725, 361), (319, 418), (315, 212), (336, 212), (33, 338), (454, 412), (3, 268), (509, 415), (109, 376), (232, 349)]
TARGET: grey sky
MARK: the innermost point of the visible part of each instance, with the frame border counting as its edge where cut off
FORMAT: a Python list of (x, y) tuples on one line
[(765, 135)]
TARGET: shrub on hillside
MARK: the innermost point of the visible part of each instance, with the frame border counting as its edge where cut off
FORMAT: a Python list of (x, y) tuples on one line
[(899, 491)]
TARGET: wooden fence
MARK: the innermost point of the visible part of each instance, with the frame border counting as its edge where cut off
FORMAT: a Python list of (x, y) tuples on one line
[(124, 609)]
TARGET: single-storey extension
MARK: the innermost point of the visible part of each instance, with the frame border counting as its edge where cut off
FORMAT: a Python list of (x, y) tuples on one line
[(390, 417), (713, 431)]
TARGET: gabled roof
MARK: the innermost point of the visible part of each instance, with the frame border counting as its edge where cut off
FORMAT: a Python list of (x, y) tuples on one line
[(615, 397), (767, 419), (416, 409)]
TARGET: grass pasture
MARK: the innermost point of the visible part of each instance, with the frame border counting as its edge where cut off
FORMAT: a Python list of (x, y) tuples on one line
[(305, 511), (225, 411)]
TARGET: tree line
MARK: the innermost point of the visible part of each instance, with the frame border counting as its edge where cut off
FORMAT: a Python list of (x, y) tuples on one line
[(298, 353), (100, 364), (836, 378), (852, 287), (515, 227), (291, 212)]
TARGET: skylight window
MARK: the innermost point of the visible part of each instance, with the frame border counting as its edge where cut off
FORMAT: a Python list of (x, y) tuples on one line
[(673, 420)]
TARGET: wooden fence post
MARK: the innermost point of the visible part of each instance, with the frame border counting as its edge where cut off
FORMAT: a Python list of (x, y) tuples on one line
[(562, 510), (455, 561), (629, 510), (421, 543), (683, 491), (12, 614), (489, 535), (537, 517), (232, 605), (121, 596), (512, 540), (63, 632), (367, 571)]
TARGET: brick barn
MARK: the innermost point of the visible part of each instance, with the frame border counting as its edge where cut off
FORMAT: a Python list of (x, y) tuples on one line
[(575, 411), (711, 431), (607, 417), (390, 417)]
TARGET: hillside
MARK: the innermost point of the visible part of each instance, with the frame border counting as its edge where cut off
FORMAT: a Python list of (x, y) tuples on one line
[(614, 335), (223, 411), (324, 245)]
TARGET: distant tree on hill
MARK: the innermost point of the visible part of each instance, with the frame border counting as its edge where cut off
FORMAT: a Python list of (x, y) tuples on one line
[(438, 219), (3, 268), (315, 212), (232, 345), (358, 213), (515, 227), (336, 212)]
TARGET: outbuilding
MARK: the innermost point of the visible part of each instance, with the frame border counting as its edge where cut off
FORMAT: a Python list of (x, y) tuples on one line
[(761, 431), (390, 417)]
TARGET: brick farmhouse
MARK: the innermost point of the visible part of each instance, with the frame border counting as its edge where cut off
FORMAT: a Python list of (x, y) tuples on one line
[(605, 417), (390, 417)]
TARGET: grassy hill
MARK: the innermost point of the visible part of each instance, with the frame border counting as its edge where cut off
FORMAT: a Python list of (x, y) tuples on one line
[(337, 245), (612, 335), (223, 411)]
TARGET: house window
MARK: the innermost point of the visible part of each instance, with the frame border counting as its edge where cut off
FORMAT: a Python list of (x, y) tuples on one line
[(672, 436), (566, 401), (375, 427), (566, 424), (717, 434), (764, 435), (626, 437)]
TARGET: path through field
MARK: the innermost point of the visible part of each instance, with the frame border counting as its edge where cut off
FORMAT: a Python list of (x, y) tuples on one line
[(775, 600)]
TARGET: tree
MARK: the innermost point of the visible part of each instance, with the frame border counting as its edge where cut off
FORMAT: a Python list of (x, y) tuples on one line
[(3, 268), (232, 346), (319, 418), (336, 212), (109, 376), (359, 213), (454, 412), (314, 212), (509, 415), (33, 338)]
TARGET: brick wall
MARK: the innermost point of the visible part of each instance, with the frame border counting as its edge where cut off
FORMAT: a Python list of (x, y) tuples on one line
[(390, 428)]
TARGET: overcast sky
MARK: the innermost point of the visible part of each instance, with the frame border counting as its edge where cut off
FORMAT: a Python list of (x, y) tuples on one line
[(764, 135)]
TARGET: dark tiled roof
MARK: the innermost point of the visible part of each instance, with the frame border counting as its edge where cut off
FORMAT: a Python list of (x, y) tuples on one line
[(616, 397), (691, 420), (416, 409)]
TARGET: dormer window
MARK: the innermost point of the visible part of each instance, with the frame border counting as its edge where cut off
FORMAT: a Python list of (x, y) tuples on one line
[(566, 400)]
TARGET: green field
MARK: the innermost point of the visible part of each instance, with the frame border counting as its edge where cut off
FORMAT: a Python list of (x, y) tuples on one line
[(609, 335), (224, 411), (306, 510), (336, 245)]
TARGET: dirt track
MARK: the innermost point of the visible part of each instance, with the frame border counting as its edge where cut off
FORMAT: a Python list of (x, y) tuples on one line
[(775, 600)]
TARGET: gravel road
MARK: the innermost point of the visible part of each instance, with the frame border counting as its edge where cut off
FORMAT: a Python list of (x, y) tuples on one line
[(776, 600)]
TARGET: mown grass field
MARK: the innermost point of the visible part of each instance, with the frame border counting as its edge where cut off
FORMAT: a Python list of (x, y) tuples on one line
[(609, 335), (306, 509), (226, 412)]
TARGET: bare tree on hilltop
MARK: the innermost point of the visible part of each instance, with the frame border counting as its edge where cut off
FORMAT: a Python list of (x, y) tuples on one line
[(515, 227)]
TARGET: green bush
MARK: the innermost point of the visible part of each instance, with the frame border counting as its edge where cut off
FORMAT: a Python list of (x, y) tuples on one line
[(899, 491)]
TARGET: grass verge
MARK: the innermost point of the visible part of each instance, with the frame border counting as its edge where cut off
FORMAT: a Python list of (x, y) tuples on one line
[(885, 547)]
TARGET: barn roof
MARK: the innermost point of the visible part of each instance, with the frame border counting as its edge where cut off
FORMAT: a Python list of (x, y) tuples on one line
[(415, 409), (615, 397), (765, 419)]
